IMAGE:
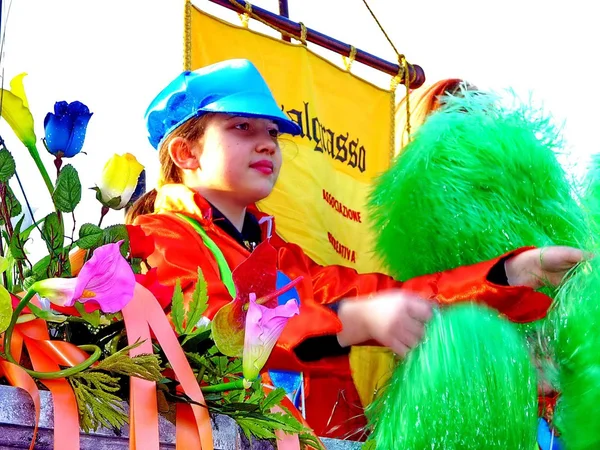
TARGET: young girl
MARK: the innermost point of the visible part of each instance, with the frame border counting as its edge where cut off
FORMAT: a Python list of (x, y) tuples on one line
[(217, 133)]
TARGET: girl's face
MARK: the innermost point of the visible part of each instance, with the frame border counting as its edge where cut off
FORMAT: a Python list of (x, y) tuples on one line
[(239, 157)]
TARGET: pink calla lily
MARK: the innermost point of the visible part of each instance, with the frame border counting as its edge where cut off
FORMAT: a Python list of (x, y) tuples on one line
[(106, 279), (264, 325)]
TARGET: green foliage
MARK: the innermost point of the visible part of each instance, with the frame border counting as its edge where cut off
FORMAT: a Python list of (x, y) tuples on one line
[(177, 310), (95, 388), (256, 419), (7, 165), (19, 238), (53, 233), (5, 309), (92, 318), (199, 303), (111, 203), (67, 194), (186, 323), (250, 408), (90, 236), (96, 400), (17, 242), (8, 203), (116, 233), (146, 366)]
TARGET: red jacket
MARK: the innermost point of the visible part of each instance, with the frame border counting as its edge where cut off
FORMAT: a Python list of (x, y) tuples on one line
[(332, 404)]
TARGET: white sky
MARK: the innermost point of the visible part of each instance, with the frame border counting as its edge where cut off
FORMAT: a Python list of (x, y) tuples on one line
[(114, 55)]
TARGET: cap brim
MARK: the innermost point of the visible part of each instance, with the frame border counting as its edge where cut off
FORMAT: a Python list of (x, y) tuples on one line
[(254, 105)]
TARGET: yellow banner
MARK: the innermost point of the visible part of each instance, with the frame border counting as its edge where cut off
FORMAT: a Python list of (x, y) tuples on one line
[(319, 199)]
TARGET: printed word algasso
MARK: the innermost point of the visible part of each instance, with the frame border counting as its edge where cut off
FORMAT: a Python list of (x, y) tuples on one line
[(338, 147)]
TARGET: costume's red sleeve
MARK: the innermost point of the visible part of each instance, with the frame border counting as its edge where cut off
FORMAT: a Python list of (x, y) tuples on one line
[(178, 252), (470, 283), (330, 284)]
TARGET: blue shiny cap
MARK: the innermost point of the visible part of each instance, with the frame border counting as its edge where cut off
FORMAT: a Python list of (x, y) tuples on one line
[(233, 87)]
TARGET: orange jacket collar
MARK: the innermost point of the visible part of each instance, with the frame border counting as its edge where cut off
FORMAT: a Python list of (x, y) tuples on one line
[(178, 198)]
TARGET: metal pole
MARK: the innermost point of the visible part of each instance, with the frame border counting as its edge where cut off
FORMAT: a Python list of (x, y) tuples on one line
[(416, 73), (284, 11)]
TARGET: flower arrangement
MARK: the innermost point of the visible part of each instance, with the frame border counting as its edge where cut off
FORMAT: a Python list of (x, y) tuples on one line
[(87, 320)]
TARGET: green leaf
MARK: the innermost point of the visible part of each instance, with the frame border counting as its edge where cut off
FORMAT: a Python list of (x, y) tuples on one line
[(90, 236), (114, 202), (27, 231), (28, 281), (177, 310), (7, 165), (39, 268), (48, 316), (12, 204), (136, 265), (369, 445), (199, 303), (274, 397), (228, 331), (252, 427), (92, 318), (17, 242), (67, 194), (97, 400), (144, 366), (5, 309), (116, 233), (53, 233)]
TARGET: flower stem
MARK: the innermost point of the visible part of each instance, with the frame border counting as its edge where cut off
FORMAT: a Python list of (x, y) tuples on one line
[(232, 385), (58, 164), (103, 212), (40, 165), (97, 352)]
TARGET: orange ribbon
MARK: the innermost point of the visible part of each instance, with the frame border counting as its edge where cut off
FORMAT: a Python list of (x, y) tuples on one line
[(143, 417), (142, 314), (286, 441), (46, 356), (17, 377), (186, 433)]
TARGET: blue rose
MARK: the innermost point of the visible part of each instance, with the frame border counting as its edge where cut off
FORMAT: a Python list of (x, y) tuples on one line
[(65, 128)]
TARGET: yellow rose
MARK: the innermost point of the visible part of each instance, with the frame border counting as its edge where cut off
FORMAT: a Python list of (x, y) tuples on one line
[(119, 180)]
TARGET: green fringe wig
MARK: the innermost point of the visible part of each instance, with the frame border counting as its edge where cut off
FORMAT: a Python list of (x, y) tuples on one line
[(479, 179), (574, 323), (591, 200), (469, 385), (573, 328)]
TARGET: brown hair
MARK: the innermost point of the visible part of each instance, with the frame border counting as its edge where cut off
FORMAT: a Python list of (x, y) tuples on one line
[(193, 129)]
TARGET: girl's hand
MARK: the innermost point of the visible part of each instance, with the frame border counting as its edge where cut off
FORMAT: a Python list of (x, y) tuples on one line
[(394, 318), (541, 266)]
